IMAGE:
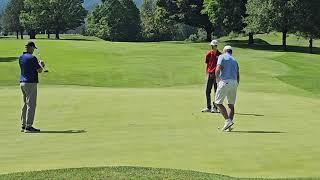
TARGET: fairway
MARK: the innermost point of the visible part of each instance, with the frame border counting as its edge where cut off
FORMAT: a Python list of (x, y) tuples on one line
[(138, 104)]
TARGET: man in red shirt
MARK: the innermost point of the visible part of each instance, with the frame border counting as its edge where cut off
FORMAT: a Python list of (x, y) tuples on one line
[(211, 63)]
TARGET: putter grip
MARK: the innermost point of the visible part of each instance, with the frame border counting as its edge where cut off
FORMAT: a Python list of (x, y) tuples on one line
[(41, 63)]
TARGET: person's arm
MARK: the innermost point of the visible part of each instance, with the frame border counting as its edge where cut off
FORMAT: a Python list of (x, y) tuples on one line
[(206, 64), (205, 69), (218, 69), (38, 65), (218, 72), (40, 69), (238, 76)]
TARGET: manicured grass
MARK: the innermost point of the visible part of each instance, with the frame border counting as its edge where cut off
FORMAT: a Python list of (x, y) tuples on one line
[(144, 110), (115, 173), (100, 63), (274, 134), (125, 172)]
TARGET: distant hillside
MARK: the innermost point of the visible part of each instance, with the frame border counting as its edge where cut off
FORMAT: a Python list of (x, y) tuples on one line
[(90, 4), (3, 4)]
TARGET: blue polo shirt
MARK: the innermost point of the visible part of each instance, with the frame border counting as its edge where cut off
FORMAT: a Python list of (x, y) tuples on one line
[(28, 66), (230, 67)]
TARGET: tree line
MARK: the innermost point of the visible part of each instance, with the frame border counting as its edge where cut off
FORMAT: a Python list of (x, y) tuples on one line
[(157, 20), (43, 16)]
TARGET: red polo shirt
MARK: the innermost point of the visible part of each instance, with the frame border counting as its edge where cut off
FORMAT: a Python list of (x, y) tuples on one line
[(211, 60)]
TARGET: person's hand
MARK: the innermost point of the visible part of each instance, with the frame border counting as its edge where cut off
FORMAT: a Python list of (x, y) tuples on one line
[(218, 79), (42, 64)]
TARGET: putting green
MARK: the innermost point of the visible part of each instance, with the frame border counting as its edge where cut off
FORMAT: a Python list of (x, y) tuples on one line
[(145, 110), (86, 127)]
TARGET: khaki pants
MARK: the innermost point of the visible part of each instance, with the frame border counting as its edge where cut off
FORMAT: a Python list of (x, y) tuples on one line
[(29, 92)]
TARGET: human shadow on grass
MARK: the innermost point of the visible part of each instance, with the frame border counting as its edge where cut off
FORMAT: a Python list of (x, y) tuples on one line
[(260, 44), (259, 132), (64, 132), (8, 59), (249, 114)]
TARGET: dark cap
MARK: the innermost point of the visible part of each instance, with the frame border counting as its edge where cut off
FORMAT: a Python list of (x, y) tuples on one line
[(31, 44)]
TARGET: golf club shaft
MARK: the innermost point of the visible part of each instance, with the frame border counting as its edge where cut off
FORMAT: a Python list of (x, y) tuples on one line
[(43, 67)]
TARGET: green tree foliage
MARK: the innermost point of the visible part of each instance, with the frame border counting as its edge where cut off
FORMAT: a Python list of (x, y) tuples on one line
[(272, 15), (36, 17), (283, 17), (54, 15), (156, 23), (308, 25), (90, 4), (132, 20), (11, 19), (107, 21), (30, 23), (188, 12), (257, 19), (104, 20), (226, 15), (149, 32), (113, 20), (183, 32)]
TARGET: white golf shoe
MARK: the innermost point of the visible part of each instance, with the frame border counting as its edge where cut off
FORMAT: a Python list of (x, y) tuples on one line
[(206, 110), (215, 110), (227, 125), (229, 130)]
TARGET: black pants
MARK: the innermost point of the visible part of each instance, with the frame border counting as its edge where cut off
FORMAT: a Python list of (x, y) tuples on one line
[(211, 82)]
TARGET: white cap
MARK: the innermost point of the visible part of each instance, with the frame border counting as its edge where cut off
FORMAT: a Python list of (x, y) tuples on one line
[(227, 48), (214, 43)]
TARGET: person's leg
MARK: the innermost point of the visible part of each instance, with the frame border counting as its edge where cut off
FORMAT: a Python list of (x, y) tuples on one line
[(231, 97), (228, 122), (223, 111), (31, 101), (208, 90), (231, 112), (222, 91), (219, 98), (215, 86), (24, 107)]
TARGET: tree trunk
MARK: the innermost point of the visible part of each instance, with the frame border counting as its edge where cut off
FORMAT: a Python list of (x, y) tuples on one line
[(209, 33), (311, 45), (57, 34), (17, 33), (251, 40), (284, 40), (32, 34), (21, 34), (48, 33)]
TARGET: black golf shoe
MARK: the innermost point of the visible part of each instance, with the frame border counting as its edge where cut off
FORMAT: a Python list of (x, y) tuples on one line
[(31, 130)]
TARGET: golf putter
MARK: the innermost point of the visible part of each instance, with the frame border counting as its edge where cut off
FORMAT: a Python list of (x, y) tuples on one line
[(44, 68)]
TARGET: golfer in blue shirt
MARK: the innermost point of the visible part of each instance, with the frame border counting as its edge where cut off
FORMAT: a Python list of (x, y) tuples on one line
[(30, 67), (227, 74)]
